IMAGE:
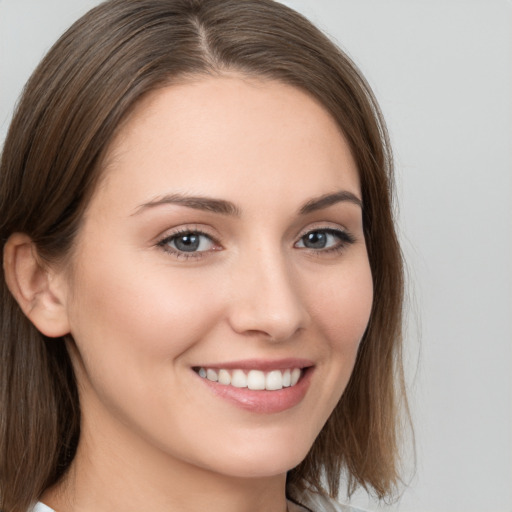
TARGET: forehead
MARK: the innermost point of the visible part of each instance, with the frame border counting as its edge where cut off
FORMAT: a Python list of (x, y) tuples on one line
[(226, 136)]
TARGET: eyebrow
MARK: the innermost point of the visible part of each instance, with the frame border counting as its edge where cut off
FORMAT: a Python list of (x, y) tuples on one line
[(327, 200), (208, 204), (224, 207)]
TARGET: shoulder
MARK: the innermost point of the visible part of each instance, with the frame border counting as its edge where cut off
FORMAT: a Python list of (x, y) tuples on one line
[(319, 503)]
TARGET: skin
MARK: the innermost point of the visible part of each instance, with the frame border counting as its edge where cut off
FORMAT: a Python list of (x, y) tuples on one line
[(154, 436)]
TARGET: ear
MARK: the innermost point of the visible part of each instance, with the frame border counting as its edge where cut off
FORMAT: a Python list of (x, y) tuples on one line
[(38, 289)]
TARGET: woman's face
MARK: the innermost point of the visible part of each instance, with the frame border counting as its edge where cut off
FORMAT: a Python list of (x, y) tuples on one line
[(224, 248)]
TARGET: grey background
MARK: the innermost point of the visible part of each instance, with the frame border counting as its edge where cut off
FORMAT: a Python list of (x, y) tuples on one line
[(442, 71)]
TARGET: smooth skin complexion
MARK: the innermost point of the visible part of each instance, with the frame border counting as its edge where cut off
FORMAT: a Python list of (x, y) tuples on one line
[(226, 234)]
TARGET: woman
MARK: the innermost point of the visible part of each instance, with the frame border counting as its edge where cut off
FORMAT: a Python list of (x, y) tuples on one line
[(203, 285)]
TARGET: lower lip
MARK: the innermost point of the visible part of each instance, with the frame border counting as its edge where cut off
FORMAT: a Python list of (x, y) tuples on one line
[(263, 402)]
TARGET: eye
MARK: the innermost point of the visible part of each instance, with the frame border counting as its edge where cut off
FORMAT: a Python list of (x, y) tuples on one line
[(187, 242), (325, 239)]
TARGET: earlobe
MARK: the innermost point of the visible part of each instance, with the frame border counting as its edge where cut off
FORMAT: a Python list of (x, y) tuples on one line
[(34, 286)]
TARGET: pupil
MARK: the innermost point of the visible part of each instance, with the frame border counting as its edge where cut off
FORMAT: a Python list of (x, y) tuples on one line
[(187, 243), (315, 240)]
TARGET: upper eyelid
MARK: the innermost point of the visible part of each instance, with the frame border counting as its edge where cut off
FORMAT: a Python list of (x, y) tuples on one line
[(345, 236), (163, 244), (177, 234), (213, 234), (323, 227), (179, 230)]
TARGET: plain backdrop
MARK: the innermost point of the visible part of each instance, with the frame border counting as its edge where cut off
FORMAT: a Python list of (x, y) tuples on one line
[(442, 72)]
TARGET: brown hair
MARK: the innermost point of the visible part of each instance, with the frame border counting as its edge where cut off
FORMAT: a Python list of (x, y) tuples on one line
[(68, 114)]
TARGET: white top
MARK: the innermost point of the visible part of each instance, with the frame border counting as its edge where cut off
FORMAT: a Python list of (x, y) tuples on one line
[(41, 507), (313, 502), (318, 503)]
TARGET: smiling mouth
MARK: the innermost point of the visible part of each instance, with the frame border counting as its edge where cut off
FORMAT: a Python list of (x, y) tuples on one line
[(255, 380)]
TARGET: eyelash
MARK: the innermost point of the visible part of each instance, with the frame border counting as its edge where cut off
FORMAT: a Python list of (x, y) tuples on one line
[(164, 243), (344, 239)]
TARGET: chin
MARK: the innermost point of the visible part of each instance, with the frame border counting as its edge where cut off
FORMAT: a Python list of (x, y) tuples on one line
[(261, 461)]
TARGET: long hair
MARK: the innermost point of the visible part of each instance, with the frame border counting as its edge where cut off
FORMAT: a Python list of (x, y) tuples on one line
[(68, 114)]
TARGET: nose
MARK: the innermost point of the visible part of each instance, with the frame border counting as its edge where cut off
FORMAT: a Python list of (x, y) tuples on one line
[(267, 299)]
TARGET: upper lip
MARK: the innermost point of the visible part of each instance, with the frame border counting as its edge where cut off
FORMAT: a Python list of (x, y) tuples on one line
[(260, 364)]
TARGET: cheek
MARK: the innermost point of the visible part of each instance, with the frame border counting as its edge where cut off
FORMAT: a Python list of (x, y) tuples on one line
[(342, 311), (342, 307), (128, 316), (133, 331)]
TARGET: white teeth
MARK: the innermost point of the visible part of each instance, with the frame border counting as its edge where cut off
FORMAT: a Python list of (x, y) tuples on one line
[(211, 375), (254, 379), (287, 378), (274, 380), (295, 376), (239, 379), (224, 377)]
